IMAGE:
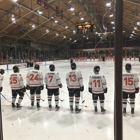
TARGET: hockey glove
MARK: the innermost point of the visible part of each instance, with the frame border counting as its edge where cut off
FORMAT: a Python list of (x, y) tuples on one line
[(105, 90), (60, 85), (90, 90), (27, 87), (137, 90), (82, 88), (42, 87), (24, 89), (1, 88)]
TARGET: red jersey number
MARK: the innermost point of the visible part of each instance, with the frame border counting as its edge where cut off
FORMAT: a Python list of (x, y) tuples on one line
[(97, 83), (72, 78), (50, 77), (128, 81), (34, 77), (13, 80)]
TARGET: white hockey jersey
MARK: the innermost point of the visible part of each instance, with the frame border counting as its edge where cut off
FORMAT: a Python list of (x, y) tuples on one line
[(16, 81), (130, 82), (97, 83), (1, 80), (74, 79), (52, 80), (34, 78)]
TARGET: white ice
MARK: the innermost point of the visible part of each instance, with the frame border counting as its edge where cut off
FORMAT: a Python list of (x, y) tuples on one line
[(32, 124)]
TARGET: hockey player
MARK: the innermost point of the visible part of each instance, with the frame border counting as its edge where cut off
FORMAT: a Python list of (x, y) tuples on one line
[(130, 87), (34, 81), (97, 87), (17, 87), (74, 82), (53, 83), (1, 79)]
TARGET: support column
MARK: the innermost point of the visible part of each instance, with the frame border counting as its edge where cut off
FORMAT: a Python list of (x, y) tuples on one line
[(118, 127), (1, 130)]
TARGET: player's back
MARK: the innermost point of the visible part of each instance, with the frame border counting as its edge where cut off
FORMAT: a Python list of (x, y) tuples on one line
[(129, 81)]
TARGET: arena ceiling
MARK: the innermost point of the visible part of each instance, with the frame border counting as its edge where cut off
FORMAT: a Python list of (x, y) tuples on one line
[(40, 23)]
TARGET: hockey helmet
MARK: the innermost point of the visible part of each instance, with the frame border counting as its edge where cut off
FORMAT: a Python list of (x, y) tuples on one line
[(15, 69), (128, 66), (2, 71), (96, 69), (52, 67), (37, 67), (73, 66)]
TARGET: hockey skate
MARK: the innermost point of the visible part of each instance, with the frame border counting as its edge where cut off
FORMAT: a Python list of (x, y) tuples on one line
[(19, 106), (71, 108), (38, 106), (103, 110), (50, 107), (132, 112), (32, 103), (124, 112), (57, 107), (95, 109), (77, 110), (13, 105)]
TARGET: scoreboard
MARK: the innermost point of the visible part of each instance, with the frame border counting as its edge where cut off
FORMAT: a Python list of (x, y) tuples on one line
[(85, 28)]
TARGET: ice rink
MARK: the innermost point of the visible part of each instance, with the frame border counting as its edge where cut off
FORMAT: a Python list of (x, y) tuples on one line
[(32, 124)]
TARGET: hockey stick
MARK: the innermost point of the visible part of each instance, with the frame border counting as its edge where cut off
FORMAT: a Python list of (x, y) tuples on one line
[(5, 97), (81, 93)]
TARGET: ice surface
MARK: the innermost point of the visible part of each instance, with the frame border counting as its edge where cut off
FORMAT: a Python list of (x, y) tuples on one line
[(32, 124)]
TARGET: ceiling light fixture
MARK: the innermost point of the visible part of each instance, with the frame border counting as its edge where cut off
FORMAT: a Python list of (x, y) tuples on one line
[(112, 22), (71, 9), (108, 4), (111, 15), (81, 18), (66, 27), (55, 21)]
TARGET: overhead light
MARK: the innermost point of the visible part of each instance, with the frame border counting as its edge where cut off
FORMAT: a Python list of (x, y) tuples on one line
[(123, 31), (111, 15), (75, 40), (64, 36), (39, 12), (52, 17), (70, 38), (81, 18), (112, 22), (47, 31), (108, 4), (74, 31), (33, 26), (135, 28), (113, 27), (138, 23), (12, 18), (133, 32), (83, 36), (15, 0), (72, 9), (87, 38), (56, 34), (55, 21), (66, 27), (96, 32)]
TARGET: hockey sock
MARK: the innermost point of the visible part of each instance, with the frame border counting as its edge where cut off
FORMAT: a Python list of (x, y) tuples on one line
[(13, 99), (124, 103), (20, 100), (132, 103), (56, 100), (32, 97), (102, 103), (77, 102), (71, 101), (38, 98), (95, 103), (49, 100)]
